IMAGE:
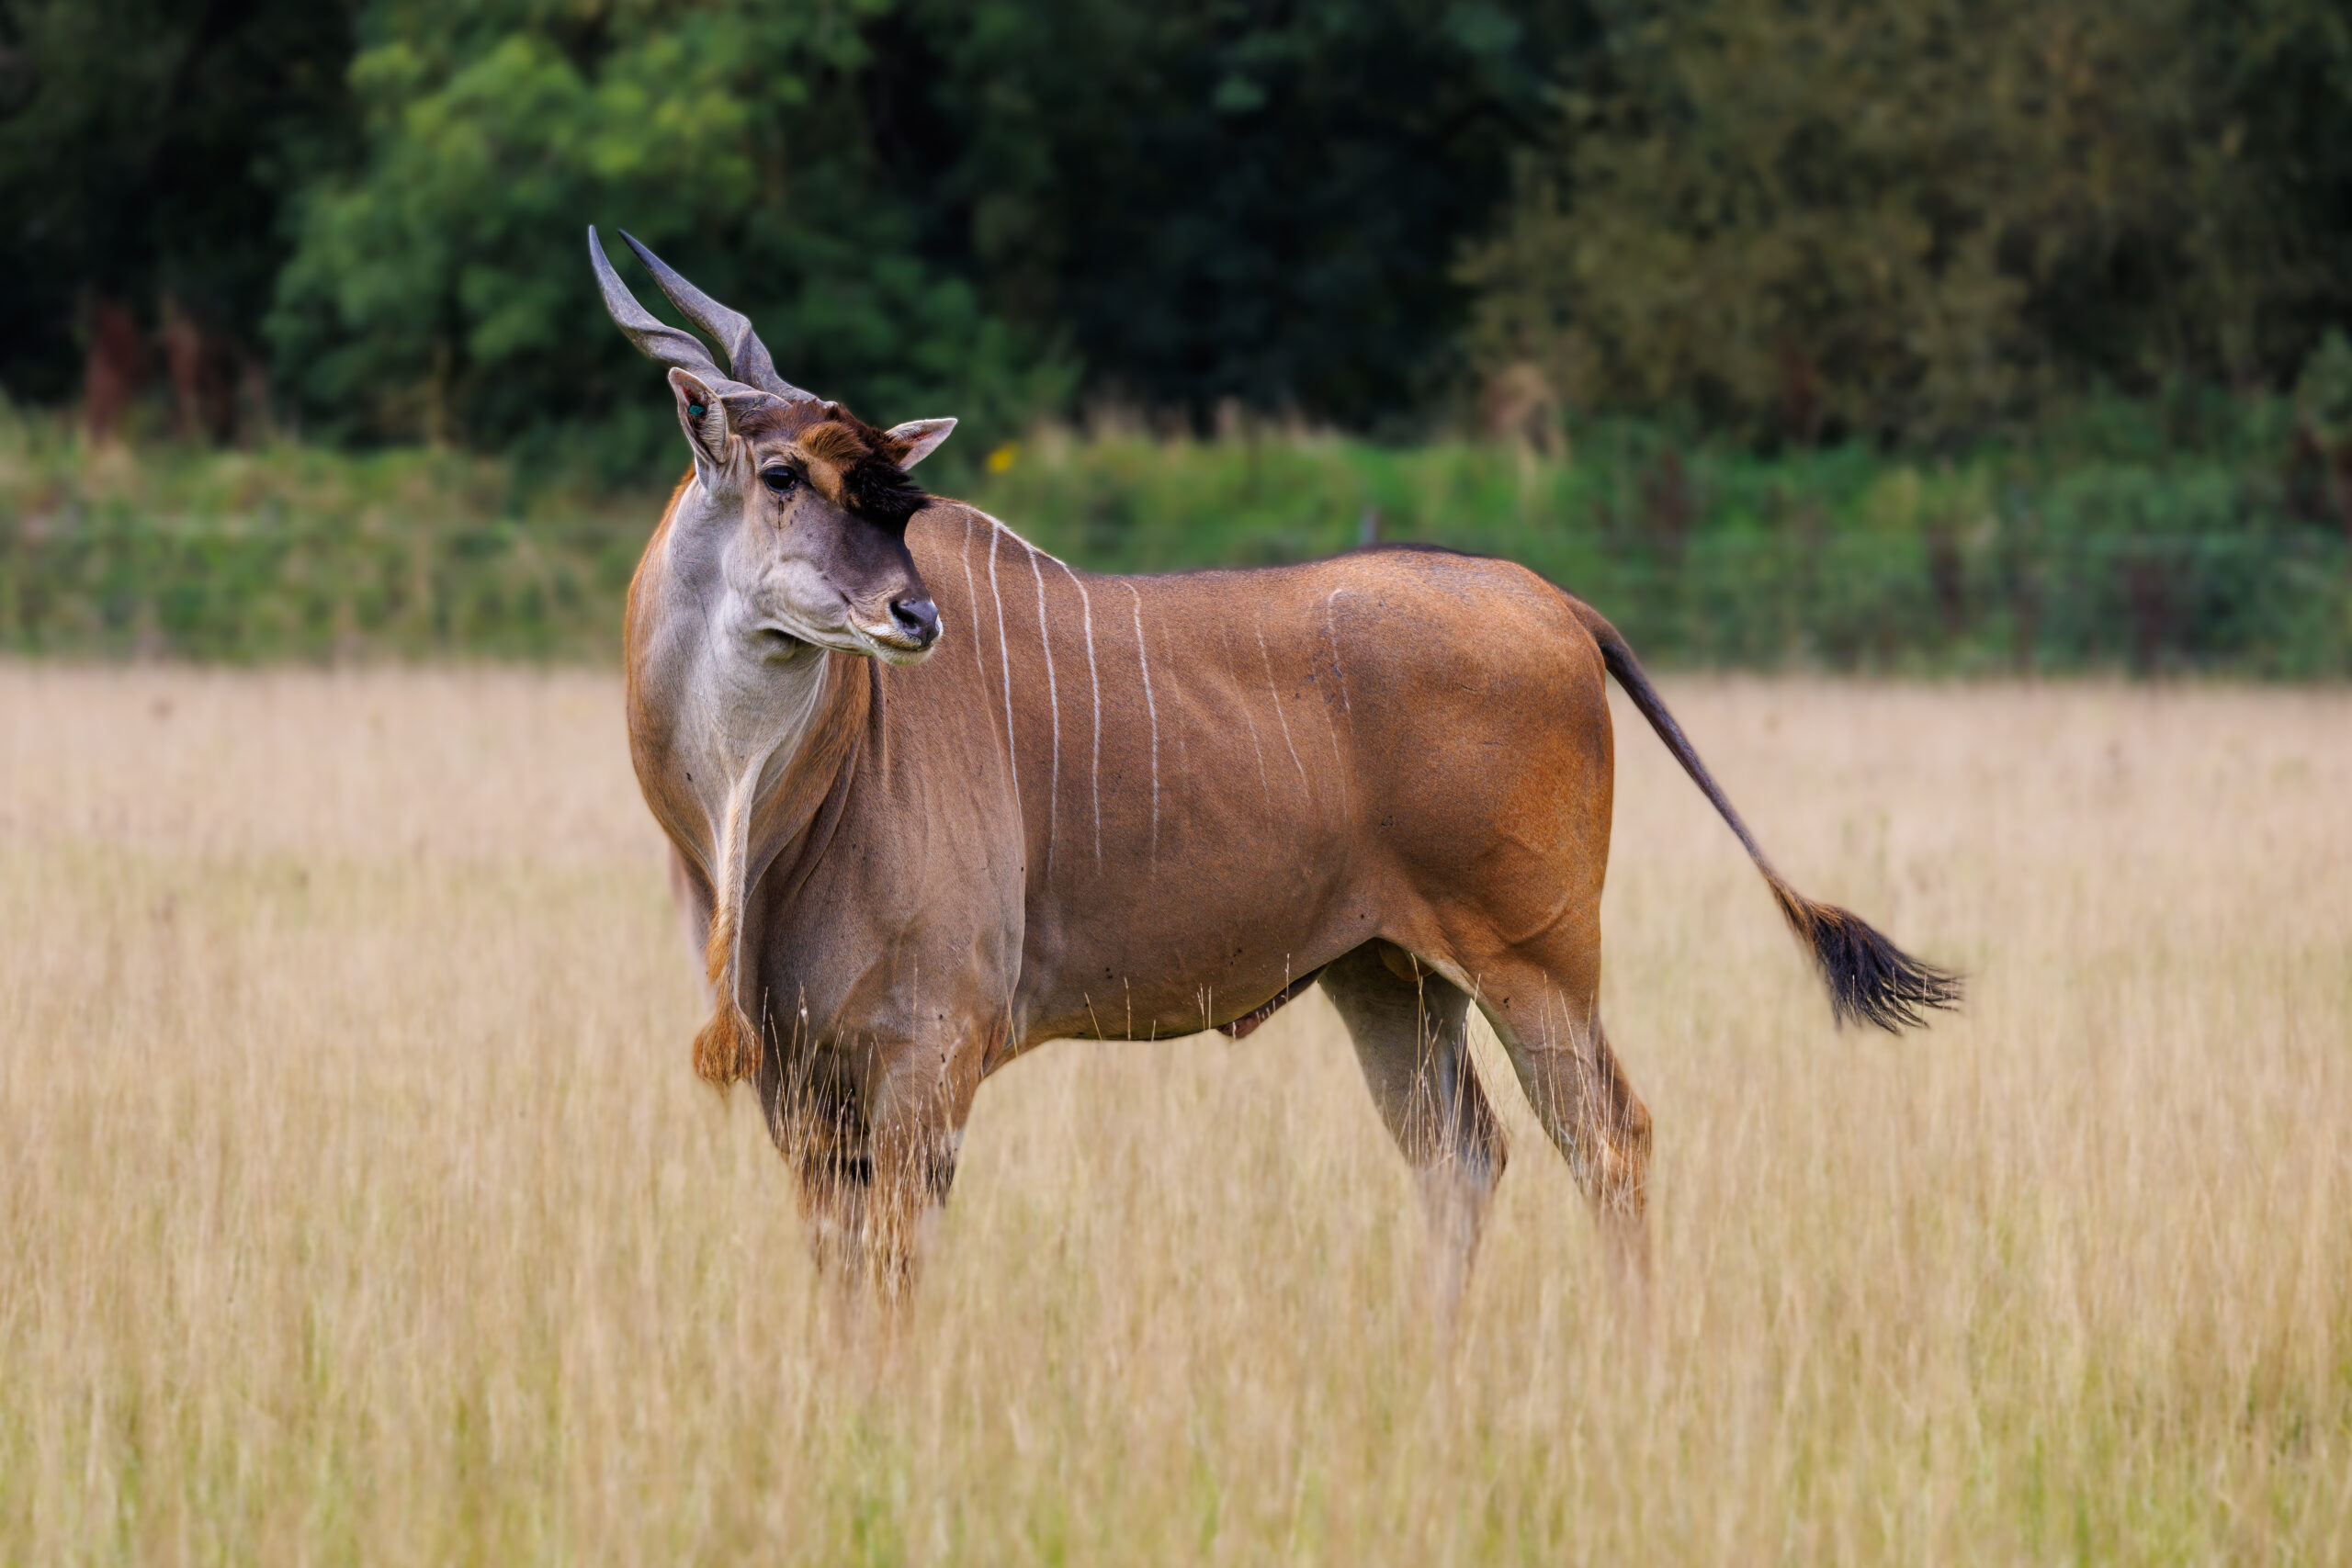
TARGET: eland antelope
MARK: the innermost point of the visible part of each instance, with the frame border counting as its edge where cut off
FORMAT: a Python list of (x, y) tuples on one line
[(936, 796)]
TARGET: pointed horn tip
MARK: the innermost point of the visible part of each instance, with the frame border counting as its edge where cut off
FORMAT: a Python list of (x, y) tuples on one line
[(598, 260), (596, 245), (643, 254)]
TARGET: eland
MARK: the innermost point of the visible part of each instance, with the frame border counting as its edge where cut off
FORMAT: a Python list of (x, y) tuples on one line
[(936, 797)]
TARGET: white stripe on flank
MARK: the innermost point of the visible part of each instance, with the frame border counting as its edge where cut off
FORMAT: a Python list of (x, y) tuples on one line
[(1267, 659), (1347, 706), (1331, 733), (1026, 545), (1143, 657), (1257, 750), (1053, 689), (1086, 606), (972, 597), (1053, 695), (1331, 729), (1005, 656), (1332, 631)]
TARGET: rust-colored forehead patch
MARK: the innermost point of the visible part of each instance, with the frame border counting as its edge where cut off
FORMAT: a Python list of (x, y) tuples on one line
[(835, 443)]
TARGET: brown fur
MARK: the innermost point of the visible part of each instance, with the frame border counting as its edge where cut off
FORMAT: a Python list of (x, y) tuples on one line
[(1133, 808)]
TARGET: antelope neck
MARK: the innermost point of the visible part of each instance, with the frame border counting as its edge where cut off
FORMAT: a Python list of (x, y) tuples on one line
[(749, 750), (749, 741)]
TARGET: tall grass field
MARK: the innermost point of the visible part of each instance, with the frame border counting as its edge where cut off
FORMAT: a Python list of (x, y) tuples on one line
[(358, 1204)]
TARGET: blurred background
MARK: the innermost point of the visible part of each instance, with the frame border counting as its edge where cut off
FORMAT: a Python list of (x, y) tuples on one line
[(358, 1202), (1890, 334)]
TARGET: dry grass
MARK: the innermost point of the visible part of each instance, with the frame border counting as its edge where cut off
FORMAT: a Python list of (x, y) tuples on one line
[(357, 1201)]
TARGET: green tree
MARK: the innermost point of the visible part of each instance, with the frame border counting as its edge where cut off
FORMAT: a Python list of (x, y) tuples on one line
[(1217, 199), (2281, 72), (146, 147), (1913, 218), (1906, 218), (439, 287)]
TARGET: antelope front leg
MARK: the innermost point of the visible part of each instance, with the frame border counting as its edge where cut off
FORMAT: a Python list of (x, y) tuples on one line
[(922, 1098), (871, 1133), (820, 1129)]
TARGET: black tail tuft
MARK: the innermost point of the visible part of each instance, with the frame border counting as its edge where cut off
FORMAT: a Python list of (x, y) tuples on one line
[(1870, 980)]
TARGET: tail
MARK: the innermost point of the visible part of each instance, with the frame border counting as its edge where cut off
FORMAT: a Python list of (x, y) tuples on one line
[(1869, 978)]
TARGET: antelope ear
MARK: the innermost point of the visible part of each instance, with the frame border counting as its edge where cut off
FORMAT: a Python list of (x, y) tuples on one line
[(918, 438), (704, 417)]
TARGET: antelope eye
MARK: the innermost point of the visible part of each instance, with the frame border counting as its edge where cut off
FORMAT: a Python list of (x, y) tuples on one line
[(779, 479)]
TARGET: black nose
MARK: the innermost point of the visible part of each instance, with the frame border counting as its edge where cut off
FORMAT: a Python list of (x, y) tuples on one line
[(916, 618)]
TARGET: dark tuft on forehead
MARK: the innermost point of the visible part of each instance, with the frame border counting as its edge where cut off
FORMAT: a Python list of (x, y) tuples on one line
[(878, 487)]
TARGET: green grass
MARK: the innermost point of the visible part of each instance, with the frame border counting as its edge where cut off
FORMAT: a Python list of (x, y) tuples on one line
[(1841, 558), (2114, 545), (299, 553)]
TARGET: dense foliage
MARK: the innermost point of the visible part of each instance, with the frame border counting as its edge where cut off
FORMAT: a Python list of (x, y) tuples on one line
[(148, 149), (928, 207), (1908, 221), (1926, 220), (1211, 200), (441, 286)]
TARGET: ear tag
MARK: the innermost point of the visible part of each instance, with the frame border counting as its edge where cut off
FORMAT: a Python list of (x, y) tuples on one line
[(696, 409)]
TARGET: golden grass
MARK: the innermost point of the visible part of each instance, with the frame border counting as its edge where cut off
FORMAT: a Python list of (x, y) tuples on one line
[(358, 1202)]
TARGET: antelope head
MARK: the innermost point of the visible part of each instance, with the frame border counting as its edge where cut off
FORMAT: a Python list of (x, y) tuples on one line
[(796, 513)]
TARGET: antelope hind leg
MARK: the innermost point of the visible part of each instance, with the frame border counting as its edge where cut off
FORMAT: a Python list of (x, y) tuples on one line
[(1412, 1033), (1586, 1104)]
